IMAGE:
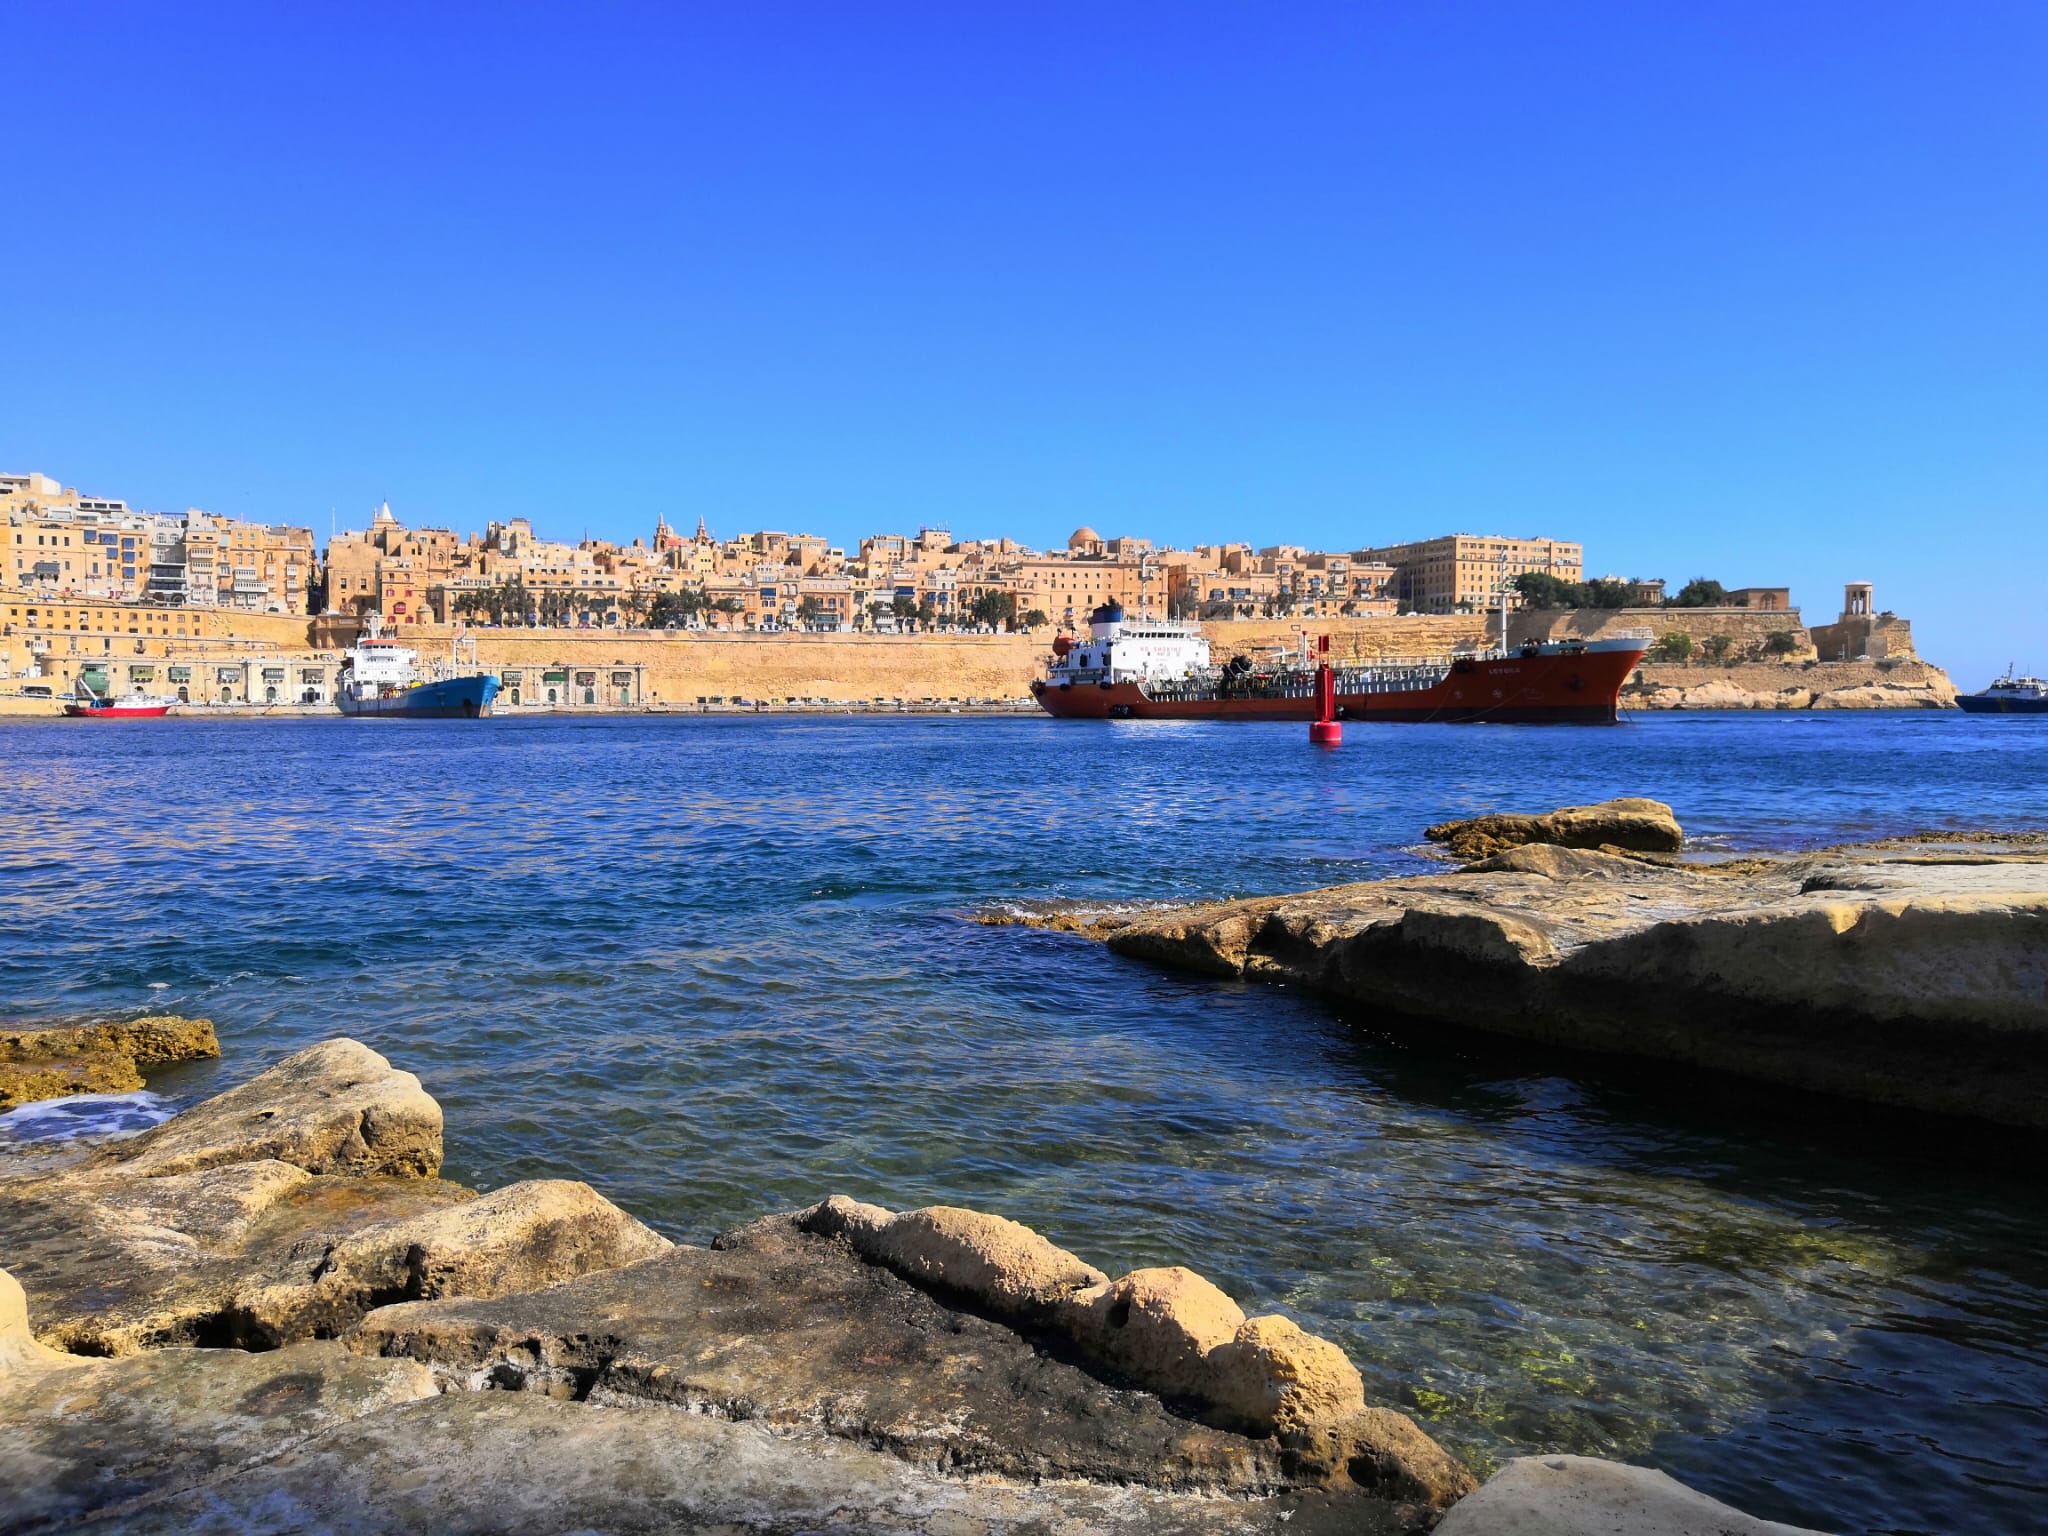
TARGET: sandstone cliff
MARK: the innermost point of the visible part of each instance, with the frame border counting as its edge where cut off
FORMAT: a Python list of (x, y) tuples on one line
[(1765, 685)]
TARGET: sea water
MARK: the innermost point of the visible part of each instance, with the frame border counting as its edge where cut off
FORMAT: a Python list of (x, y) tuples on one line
[(721, 966)]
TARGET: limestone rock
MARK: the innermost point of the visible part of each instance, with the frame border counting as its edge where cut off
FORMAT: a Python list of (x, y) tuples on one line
[(1885, 696), (95, 1058), (1895, 974), (1157, 1326), (793, 1329), (80, 1438), (1272, 1377), (1388, 1454), (336, 1107), (1584, 1496), (1000, 1263), (485, 1463), (1645, 826), (202, 1230), (520, 1238), (1168, 1331)]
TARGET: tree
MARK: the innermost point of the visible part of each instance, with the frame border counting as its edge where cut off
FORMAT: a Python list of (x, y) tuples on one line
[(905, 608), (726, 605), (1717, 647), (994, 609), (808, 609), (1036, 619), (672, 609), (1700, 592), (1540, 589), (1780, 642), (927, 612), (1675, 646), (1603, 593)]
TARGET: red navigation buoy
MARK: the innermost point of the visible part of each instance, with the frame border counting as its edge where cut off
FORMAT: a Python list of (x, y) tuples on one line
[(1324, 731)]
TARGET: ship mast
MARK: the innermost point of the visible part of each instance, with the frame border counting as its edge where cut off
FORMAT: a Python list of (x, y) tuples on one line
[(1503, 586)]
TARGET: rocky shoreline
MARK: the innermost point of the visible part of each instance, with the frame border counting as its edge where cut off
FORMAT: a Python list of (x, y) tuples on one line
[(270, 1312), (1910, 974), (1764, 685)]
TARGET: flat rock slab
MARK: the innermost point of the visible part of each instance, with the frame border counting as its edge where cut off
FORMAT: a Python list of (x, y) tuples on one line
[(1912, 977), (789, 1329), (113, 1267), (104, 1439), (1584, 1496), (61, 1060), (521, 1462)]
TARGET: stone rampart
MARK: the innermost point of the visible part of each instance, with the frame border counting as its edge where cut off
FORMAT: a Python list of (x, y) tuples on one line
[(1749, 628)]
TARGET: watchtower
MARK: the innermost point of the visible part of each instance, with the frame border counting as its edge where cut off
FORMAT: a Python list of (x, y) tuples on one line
[(1856, 601)]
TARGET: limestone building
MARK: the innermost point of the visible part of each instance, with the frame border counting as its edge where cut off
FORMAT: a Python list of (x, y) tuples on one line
[(1465, 573)]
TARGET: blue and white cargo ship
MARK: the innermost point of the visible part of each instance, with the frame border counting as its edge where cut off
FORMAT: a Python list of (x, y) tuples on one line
[(380, 677), (2008, 696)]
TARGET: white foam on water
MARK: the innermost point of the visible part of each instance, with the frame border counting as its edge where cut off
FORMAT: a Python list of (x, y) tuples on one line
[(85, 1116)]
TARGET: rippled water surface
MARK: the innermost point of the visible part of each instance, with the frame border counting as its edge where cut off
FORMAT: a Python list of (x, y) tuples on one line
[(721, 967)]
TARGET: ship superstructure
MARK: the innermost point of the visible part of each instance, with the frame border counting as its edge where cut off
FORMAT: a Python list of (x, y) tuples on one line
[(381, 677), (2009, 695)]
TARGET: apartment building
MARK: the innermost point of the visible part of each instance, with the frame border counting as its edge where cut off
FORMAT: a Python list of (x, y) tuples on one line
[(1466, 573), (58, 542)]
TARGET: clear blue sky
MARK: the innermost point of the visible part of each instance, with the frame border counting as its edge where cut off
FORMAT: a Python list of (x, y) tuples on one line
[(1758, 291)]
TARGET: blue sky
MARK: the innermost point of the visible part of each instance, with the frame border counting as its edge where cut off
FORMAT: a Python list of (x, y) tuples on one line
[(1756, 291)]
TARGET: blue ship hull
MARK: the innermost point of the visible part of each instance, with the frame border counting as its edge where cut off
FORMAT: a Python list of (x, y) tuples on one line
[(459, 698), (1993, 704)]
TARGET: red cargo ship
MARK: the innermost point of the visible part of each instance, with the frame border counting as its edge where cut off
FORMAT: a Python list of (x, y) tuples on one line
[(1154, 670)]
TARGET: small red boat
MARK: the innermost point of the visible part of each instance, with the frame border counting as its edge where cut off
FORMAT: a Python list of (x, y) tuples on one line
[(1152, 670), (90, 706)]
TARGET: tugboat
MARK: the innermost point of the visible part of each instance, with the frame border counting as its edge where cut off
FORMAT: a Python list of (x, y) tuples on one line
[(2009, 695), (90, 705), (383, 678), (1158, 670)]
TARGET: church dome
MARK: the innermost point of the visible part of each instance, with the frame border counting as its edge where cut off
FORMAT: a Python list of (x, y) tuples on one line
[(1083, 537)]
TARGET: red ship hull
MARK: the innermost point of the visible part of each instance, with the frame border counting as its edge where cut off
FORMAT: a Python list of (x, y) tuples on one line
[(116, 711), (1582, 688)]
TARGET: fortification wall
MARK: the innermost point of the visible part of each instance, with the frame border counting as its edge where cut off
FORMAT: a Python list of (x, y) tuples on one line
[(682, 668), (1747, 627)]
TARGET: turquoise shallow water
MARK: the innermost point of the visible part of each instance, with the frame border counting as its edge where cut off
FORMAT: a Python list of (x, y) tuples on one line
[(720, 967)]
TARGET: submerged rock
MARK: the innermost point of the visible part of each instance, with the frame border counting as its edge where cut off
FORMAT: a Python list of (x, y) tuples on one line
[(95, 1058), (1644, 826)]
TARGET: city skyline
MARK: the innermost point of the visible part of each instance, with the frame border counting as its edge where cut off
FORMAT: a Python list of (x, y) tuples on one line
[(1745, 295)]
